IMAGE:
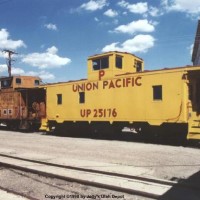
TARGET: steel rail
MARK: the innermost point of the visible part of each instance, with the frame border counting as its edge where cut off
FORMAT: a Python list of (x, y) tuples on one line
[(94, 171), (146, 180), (18, 193)]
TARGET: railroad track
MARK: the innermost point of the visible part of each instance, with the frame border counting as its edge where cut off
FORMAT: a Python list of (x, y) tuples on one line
[(143, 186), (11, 194)]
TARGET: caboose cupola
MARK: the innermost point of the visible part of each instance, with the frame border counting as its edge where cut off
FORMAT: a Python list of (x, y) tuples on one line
[(108, 65), (15, 82)]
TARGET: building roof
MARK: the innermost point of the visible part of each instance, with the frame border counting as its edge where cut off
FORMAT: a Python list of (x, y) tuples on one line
[(196, 42)]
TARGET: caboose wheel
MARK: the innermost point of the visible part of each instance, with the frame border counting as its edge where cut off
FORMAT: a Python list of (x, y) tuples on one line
[(14, 126), (25, 125)]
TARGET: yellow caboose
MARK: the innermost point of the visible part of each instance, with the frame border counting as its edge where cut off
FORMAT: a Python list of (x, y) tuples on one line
[(119, 93)]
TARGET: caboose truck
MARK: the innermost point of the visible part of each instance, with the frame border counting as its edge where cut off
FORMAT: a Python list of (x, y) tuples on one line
[(119, 93), (22, 103)]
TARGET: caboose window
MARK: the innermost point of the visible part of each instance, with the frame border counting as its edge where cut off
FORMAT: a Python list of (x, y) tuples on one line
[(138, 65), (118, 62), (81, 97), (5, 111), (5, 83), (59, 99), (18, 81), (157, 92), (37, 82), (101, 63)]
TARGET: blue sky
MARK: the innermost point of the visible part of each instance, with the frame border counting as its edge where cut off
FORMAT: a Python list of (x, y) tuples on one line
[(53, 38)]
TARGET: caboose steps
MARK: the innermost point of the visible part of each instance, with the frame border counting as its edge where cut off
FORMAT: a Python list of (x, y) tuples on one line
[(44, 125), (194, 130)]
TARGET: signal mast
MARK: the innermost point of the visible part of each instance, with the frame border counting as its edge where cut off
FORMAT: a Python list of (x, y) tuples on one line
[(9, 60)]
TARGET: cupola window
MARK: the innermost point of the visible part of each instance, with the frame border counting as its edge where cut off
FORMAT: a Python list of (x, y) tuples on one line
[(101, 63)]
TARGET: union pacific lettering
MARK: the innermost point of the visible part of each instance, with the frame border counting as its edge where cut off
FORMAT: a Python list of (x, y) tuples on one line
[(124, 82), (108, 84), (85, 87)]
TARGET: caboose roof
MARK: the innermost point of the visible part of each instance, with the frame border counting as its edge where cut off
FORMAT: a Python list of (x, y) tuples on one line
[(17, 76), (183, 69), (165, 70), (110, 53)]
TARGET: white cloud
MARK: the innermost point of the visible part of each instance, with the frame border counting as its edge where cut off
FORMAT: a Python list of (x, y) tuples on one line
[(111, 13), (191, 49), (136, 26), (14, 70), (3, 68), (123, 3), (141, 8), (139, 43), (96, 19), (93, 5), (51, 27), (137, 8), (6, 43), (17, 71), (48, 59), (154, 12), (2, 54), (191, 7), (44, 75), (112, 47), (52, 50)]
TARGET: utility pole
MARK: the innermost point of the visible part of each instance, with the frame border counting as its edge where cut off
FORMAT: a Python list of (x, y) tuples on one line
[(9, 63)]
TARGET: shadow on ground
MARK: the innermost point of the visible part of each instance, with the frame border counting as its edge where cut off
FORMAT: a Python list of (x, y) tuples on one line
[(188, 189)]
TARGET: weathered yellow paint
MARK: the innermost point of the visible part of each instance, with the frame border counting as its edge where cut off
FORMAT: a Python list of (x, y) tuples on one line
[(129, 97), (44, 125), (128, 65)]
